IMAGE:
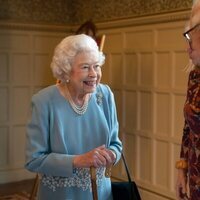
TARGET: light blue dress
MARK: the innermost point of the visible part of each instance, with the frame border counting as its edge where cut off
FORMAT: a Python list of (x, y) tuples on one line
[(55, 134)]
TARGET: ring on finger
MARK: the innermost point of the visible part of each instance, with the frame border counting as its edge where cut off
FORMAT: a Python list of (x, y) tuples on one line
[(96, 152)]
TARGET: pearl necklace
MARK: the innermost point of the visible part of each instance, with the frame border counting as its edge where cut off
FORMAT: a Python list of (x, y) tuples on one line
[(80, 110)]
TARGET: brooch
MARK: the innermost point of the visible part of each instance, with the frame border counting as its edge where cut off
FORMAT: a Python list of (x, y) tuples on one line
[(99, 96)]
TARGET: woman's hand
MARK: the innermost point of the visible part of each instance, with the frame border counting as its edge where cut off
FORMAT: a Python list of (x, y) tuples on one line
[(98, 157), (181, 185)]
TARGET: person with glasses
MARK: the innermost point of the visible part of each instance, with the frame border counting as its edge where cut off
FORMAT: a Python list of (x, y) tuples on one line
[(189, 164), (73, 126)]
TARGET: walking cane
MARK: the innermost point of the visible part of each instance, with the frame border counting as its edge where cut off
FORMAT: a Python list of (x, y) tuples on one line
[(93, 182)]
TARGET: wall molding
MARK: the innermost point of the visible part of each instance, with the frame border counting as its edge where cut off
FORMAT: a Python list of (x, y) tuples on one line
[(126, 22), (34, 27), (145, 20)]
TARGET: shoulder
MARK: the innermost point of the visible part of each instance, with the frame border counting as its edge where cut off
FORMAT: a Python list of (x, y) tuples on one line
[(105, 93), (105, 89), (194, 74), (45, 95)]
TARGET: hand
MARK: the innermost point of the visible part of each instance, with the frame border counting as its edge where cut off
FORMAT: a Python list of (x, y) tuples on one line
[(98, 157), (181, 185)]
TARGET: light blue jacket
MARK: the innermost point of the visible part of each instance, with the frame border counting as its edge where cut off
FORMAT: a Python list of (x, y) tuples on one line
[(55, 134)]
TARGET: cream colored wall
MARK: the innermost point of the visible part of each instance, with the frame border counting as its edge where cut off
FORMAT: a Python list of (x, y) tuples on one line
[(144, 67), (24, 68), (145, 58)]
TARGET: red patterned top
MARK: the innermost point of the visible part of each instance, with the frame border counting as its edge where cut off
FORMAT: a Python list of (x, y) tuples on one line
[(190, 148)]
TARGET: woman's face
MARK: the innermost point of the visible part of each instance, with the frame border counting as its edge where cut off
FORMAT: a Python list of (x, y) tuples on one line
[(194, 43), (85, 74), (194, 48)]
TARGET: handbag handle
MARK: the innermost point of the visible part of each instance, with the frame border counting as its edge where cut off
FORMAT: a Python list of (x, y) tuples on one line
[(133, 191), (126, 168)]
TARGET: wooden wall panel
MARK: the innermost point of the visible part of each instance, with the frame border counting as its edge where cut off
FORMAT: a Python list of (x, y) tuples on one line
[(21, 72), (161, 166), (4, 145), (24, 69), (163, 65), (146, 69), (4, 104), (153, 87), (4, 67), (130, 111), (18, 145), (20, 104), (130, 69), (162, 114), (179, 74)]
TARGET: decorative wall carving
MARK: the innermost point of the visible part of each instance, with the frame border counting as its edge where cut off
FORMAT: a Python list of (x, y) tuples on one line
[(35, 11), (106, 10), (68, 12)]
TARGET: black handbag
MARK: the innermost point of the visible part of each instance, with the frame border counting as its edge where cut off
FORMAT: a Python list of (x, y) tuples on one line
[(126, 190)]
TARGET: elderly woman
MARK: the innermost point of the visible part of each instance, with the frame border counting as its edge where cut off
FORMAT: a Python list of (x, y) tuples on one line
[(73, 125), (189, 164)]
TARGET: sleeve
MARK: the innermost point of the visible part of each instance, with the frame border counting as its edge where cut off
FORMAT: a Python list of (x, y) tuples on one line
[(186, 130), (39, 157), (185, 142), (115, 143)]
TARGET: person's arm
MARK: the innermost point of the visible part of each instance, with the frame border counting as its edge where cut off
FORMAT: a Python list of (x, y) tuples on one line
[(39, 157), (109, 154), (185, 142), (181, 184), (182, 164), (115, 144)]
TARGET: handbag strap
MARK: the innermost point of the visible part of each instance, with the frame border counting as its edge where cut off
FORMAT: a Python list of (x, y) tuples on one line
[(126, 167), (133, 187)]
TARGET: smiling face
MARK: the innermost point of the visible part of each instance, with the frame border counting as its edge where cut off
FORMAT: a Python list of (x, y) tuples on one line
[(194, 34), (85, 74), (194, 47)]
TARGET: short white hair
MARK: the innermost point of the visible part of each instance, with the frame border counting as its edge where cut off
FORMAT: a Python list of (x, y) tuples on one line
[(195, 14), (194, 20), (66, 51)]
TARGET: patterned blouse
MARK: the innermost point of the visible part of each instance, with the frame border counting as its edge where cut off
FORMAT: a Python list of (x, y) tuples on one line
[(190, 148)]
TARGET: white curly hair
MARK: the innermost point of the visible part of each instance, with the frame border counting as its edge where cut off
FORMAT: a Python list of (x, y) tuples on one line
[(67, 49)]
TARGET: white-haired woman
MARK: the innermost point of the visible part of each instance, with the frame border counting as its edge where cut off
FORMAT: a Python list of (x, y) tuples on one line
[(73, 125), (189, 164)]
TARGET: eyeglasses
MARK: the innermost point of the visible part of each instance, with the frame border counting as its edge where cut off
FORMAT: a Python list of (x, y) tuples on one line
[(187, 34)]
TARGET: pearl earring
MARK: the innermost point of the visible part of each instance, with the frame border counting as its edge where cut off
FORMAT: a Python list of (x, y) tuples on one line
[(67, 81)]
